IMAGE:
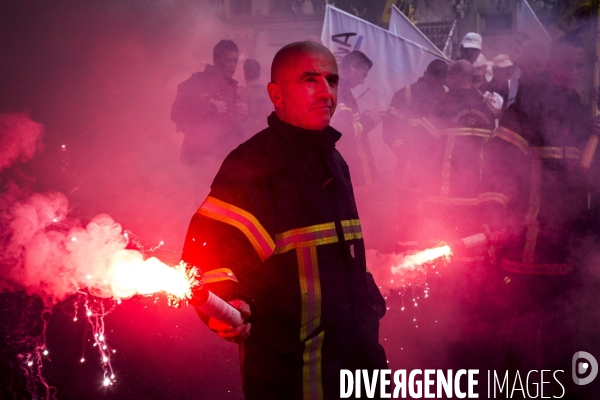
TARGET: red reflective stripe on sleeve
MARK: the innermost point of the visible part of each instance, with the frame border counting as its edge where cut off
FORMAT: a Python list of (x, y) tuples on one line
[(243, 220), (218, 275)]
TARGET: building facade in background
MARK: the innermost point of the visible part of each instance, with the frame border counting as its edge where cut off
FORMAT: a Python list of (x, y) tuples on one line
[(261, 27)]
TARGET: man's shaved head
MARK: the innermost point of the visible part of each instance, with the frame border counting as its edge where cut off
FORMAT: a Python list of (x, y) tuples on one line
[(289, 54), (303, 87), (460, 74)]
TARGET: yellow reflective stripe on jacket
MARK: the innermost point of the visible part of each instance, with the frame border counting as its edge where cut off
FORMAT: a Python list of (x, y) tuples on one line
[(218, 275), (555, 152), (588, 152), (241, 219), (316, 235), (463, 201), (493, 196), (352, 229), (427, 125), (358, 131), (310, 320), (467, 132), (536, 269), (452, 134), (446, 164), (535, 192), (513, 138)]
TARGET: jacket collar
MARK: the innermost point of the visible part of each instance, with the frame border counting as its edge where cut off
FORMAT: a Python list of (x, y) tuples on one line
[(322, 141)]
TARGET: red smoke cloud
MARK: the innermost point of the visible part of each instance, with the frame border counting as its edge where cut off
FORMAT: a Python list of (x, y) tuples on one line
[(20, 138), (51, 255)]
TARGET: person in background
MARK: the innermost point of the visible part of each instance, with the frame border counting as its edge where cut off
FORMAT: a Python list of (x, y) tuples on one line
[(404, 130), (503, 70), (255, 96), (355, 146), (208, 110), (532, 166), (470, 48), (354, 125), (451, 192), (480, 71), (481, 76), (527, 70)]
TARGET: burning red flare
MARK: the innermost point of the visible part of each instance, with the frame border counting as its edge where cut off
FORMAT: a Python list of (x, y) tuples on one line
[(422, 257)]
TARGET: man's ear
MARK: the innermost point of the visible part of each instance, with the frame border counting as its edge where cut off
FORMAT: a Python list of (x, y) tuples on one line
[(275, 94)]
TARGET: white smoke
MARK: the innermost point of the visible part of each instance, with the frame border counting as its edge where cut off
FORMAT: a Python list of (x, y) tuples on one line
[(48, 254)]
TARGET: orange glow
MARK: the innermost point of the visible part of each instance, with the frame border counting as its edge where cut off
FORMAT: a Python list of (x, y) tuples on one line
[(422, 257)]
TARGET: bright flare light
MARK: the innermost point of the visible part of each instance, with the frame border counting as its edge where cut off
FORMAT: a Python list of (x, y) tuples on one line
[(422, 257), (131, 274)]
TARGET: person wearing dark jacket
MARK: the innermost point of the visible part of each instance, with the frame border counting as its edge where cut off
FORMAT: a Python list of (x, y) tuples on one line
[(404, 130), (281, 224), (208, 110), (532, 164), (354, 125), (450, 191), (255, 96), (463, 121)]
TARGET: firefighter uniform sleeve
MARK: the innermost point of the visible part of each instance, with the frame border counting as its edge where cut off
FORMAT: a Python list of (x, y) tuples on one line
[(375, 297), (228, 236), (505, 175), (392, 132)]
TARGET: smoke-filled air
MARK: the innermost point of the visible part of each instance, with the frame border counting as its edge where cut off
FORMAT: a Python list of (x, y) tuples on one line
[(261, 199)]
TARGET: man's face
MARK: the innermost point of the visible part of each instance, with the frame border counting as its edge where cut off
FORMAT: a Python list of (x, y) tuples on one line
[(566, 67), (227, 63), (357, 75), (479, 76), (306, 95), (469, 53)]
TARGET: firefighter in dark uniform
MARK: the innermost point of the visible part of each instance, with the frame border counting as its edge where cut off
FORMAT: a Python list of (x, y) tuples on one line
[(209, 112), (355, 146), (410, 141), (533, 165), (281, 227), (462, 122)]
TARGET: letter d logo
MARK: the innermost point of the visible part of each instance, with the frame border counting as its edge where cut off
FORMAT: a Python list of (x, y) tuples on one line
[(582, 367)]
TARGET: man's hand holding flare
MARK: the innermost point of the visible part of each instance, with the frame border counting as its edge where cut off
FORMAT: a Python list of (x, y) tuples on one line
[(237, 334)]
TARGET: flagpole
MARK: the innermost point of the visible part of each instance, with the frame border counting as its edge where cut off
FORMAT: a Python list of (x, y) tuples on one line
[(449, 39), (443, 57)]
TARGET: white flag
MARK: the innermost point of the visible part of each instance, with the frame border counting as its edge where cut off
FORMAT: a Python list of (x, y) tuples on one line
[(400, 25), (397, 62), (530, 29)]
